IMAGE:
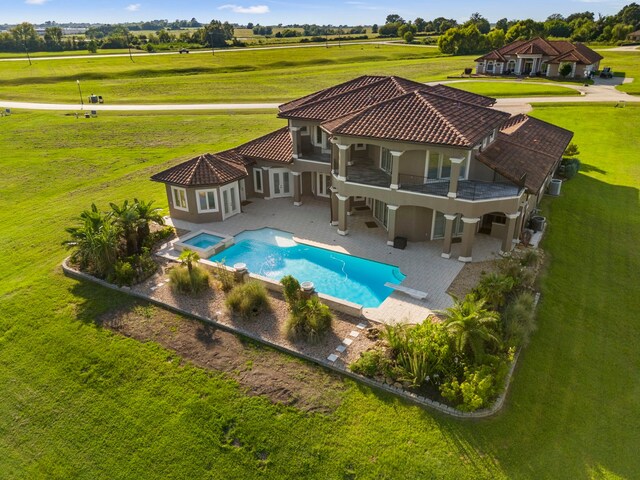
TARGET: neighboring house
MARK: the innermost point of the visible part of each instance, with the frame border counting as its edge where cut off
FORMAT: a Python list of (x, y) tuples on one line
[(634, 36), (431, 162), (539, 57)]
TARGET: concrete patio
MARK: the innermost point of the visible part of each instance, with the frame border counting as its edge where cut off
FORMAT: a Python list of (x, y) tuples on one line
[(421, 262)]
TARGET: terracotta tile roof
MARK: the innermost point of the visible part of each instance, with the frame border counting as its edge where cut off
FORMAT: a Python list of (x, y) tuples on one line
[(528, 146), (552, 48), (204, 170), (420, 117), (274, 147), (343, 101)]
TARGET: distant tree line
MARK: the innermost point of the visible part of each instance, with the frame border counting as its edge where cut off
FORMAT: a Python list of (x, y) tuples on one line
[(476, 35), (24, 37)]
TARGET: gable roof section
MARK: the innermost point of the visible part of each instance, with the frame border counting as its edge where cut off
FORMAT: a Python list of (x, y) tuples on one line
[(528, 146), (558, 50), (460, 95), (204, 170), (420, 117)]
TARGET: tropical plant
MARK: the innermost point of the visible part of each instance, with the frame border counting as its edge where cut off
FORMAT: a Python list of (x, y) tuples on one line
[(126, 216), (472, 326), (478, 386), (370, 363), (248, 299), (518, 320), (188, 258), (147, 214), (494, 287), (188, 282), (309, 318), (95, 242)]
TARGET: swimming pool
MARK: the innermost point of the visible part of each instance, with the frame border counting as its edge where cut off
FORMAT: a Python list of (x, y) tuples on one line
[(273, 253)]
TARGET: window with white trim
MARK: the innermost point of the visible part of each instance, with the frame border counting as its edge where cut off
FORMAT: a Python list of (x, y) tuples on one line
[(324, 184), (207, 200), (381, 212), (179, 196), (304, 131), (360, 146), (257, 180)]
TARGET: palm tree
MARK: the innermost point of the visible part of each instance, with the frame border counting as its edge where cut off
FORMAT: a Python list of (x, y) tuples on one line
[(188, 258), (128, 219), (95, 241), (494, 287), (472, 326), (147, 214)]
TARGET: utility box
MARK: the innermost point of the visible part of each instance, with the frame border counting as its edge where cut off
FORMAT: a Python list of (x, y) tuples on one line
[(400, 242)]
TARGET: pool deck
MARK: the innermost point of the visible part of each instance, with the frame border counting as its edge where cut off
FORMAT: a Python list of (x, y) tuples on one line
[(421, 262)]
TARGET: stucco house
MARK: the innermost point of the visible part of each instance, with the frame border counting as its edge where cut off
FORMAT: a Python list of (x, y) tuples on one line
[(432, 163), (634, 36), (539, 57)]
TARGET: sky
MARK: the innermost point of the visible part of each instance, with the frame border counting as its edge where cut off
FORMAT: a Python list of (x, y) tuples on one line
[(273, 12)]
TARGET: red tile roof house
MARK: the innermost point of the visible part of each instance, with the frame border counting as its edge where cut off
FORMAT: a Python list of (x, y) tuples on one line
[(431, 162), (539, 57)]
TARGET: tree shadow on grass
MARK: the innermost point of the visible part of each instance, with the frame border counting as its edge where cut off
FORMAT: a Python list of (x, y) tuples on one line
[(587, 168)]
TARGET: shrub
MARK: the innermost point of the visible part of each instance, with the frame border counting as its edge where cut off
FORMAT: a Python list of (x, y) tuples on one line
[(310, 320), (477, 388), (494, 287), (189, 282), (248, 298), (370, 363), (530, 257), (225, 276), (123, 273), (571, 167), (159, 236), (518, 319), (565, 69)]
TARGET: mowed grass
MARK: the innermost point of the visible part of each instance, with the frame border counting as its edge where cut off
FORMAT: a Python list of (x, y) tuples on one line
[(625, 64), (499, 89), (79, 401), (269, 75)]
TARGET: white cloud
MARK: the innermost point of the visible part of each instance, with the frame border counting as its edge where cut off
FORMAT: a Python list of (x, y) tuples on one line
[(35, 2), (254, 9), (134, 7)]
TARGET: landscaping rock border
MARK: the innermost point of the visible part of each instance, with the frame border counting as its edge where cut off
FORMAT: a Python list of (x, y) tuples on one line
[(343, 370)]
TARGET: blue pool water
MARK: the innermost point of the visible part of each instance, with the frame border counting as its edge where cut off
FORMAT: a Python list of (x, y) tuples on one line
[(203, 240), (274, 254)]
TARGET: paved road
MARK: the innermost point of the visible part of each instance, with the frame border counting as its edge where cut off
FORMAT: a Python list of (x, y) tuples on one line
[(216, 52), (593, 93)]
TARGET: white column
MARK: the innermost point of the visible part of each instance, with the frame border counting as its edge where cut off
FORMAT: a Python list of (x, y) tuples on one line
[(344, 156), (395, 168)]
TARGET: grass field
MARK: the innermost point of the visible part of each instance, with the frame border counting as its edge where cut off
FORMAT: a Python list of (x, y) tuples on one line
[(514, 89), (81, 402), (243, 76), (627, 64)]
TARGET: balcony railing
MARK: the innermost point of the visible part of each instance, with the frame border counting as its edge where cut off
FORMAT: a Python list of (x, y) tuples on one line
[(467, 189), (316, 156)]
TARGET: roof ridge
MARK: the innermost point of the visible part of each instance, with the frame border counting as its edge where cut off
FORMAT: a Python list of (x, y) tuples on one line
[(506, 138), (313, 95), (440, 114)]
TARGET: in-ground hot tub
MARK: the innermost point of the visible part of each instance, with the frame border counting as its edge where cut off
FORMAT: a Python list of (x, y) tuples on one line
[(204, 242)]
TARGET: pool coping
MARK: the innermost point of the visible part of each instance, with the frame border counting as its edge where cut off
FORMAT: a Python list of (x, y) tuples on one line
[(400, 392)]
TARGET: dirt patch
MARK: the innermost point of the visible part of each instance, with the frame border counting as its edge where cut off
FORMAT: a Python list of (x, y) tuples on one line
[(469, 277), (259, 370)]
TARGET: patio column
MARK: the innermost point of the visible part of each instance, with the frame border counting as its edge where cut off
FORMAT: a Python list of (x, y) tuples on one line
[(391, 224), (295, 141), (342, 214), (448, 235), (334, 206), (344, 157), (468, 234), (519, 66), (395, 169), (456, 165), (507, 241), (297, 189)]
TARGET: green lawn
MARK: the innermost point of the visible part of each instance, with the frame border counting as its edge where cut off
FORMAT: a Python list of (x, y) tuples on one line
[(81, 402), (499, 89), (625, 64), (232, 76)]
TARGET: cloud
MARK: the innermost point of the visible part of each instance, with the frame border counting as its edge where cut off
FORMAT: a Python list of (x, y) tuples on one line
[(254, 9), (133, 7), (35, 2)]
